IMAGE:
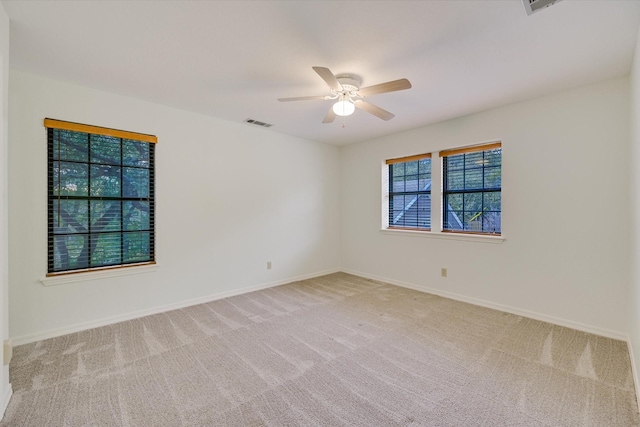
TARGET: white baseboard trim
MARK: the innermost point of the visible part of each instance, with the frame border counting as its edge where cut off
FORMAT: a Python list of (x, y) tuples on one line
[(488, 304), (5, 400), (52, 333), (25, 339)]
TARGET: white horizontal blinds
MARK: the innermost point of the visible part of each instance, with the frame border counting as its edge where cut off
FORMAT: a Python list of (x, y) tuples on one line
[(101, 197), (472, 187), (410, 192)]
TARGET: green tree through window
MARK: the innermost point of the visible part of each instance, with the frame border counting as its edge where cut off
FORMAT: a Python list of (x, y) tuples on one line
[(472, 188), (100, 198)]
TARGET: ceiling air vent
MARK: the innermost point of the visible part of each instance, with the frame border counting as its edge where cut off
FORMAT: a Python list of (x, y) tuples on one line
[(533, 6), (258, 123)]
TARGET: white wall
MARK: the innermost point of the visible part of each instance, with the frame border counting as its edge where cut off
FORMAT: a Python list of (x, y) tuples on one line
[(634, 252), (565, 211), (5, 387), (565, 202), (230, 197)]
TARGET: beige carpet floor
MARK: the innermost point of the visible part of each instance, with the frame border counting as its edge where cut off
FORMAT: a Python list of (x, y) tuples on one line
[(337, 350)]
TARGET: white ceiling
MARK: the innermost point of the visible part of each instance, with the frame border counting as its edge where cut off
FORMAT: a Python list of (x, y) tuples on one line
[(232, 59)]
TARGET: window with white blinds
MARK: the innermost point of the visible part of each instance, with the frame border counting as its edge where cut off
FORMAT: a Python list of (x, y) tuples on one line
[(101, 197)]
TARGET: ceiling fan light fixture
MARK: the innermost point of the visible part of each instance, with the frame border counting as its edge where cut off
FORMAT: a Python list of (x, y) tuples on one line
[(346, 94), (344, 107)]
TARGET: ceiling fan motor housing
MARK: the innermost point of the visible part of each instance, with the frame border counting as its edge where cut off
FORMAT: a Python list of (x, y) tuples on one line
[(349, 82)]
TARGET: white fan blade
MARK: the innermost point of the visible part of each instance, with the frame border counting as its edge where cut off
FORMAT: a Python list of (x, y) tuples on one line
[(330, 116), (375, 110), (302, 98), (328, 77), (393, 86)]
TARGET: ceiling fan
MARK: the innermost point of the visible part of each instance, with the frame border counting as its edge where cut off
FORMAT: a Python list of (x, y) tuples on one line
[(346, 91)]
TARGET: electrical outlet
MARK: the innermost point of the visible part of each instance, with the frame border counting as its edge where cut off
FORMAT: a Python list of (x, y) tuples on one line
[(443, 272), (268, 265)]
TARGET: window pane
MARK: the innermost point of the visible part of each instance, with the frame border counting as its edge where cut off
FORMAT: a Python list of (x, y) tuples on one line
[(409, 216), (398, 186), (424, 181), (135, 153), (70, 179), (398, 169), (136, 216), (454, 202), (491, 222), (423, 208), (106, 249), (411, 183), (452, 220), (455, 162), (105, 149), (105, 216), (473, 179), (472, 160), (69, 252), (473, 202), (69, 145), (452, 212), (397, 210), (411, 168), (136, 246), (472, 221), (70, 216), (411, 211), (455, 180), (493, 157), (135, 182), (492, 177), (492, 201), (105, 181)]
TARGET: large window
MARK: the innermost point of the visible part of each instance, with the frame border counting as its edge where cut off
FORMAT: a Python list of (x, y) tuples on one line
[(410, 192), (472, 181), (100, 197)]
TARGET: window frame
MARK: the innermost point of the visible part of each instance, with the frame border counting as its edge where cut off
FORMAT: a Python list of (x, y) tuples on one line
[(444, 154), (51, 125), (390, 193)]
